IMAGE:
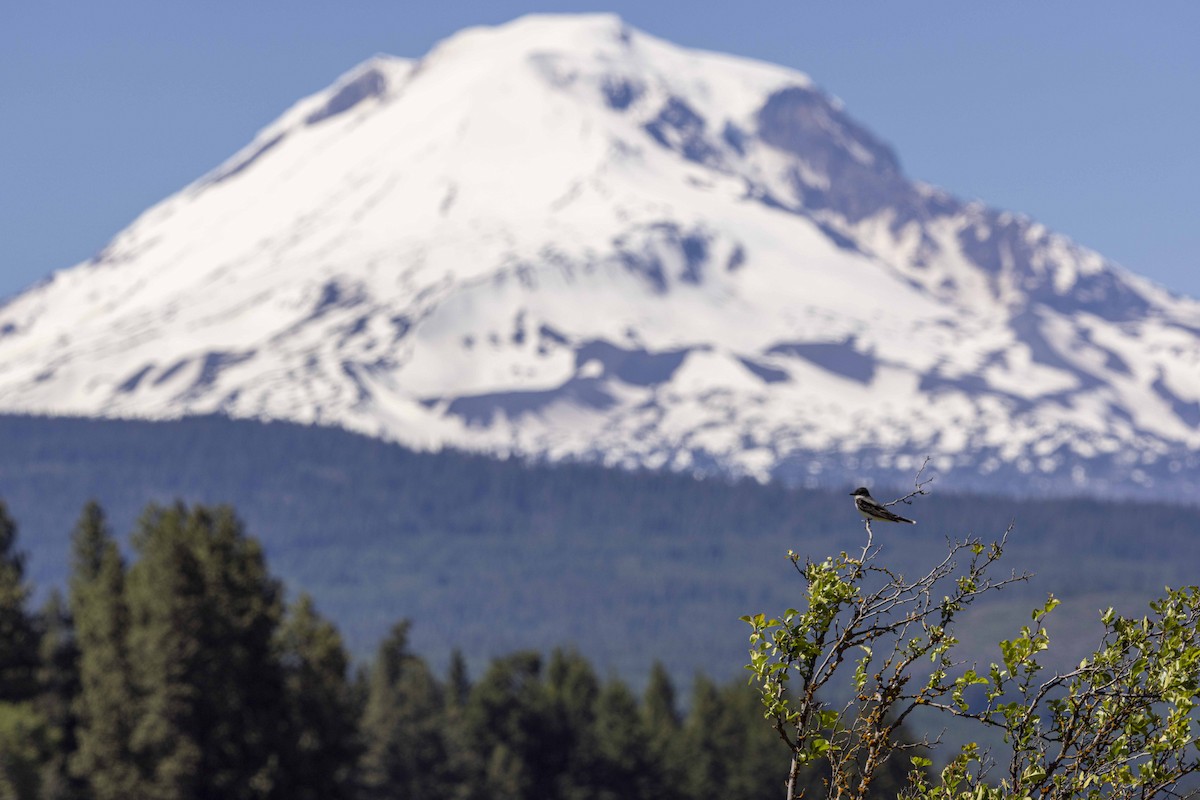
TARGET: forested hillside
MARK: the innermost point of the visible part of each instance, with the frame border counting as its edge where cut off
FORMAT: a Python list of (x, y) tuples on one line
[(494, 556)]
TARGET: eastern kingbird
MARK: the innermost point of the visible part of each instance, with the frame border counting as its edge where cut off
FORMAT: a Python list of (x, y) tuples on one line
[(871, 508)]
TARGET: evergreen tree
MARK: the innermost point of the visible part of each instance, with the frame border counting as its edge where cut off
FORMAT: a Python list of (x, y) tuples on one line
[(105, 708), (661, 721), (24, 743), (508, 721), (726, 750), (506, 777), (405, 754), (204, 615), (58, 682), (463, 763), (659, 704), (18, 633), (570, 755), (322, 723), (245, 605), (755, 757), (626, 767), (458, 682), (702, 740), (167, 653)]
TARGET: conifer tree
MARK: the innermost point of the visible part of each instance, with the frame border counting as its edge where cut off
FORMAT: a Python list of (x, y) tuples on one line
[(625, 765), (660, 713), (58, 683), (246, 610), (754, 755), (702, 739), (661, 720), (322, 724), (506, 777), (24, 742), (507, 720), (204, 615), (105, 708), (18, 633), (462, 759), (570, 755), (458, 681), (405, 755), (167, 653)]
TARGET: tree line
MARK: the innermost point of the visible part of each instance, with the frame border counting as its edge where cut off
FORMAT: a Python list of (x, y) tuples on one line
[(183, 674), (668, 560)]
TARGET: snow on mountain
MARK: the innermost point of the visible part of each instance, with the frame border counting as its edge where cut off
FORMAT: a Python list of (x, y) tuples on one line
[(564, 238)]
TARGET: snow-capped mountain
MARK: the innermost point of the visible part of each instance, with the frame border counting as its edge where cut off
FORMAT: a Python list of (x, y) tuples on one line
[(565, 238)]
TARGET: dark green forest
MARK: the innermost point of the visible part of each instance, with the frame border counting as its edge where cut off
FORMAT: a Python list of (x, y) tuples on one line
[(182, 673), (494, 556)]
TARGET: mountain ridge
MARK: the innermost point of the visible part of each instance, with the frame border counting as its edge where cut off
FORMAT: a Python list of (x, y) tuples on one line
[(565, 238)]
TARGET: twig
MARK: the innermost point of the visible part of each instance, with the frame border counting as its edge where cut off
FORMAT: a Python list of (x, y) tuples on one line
[(918, 483)]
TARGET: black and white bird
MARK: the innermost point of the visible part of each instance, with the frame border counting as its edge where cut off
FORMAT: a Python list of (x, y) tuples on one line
[(871, 508)]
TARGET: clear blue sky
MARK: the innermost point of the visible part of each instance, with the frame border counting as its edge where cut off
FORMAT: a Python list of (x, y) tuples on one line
[(1084, 115)]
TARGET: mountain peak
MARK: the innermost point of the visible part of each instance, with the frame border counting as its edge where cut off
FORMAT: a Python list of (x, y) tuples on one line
[(564, 238), (541, 26), (586, 33)]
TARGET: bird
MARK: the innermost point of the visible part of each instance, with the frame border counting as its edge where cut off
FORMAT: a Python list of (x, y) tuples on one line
[(871, 508)]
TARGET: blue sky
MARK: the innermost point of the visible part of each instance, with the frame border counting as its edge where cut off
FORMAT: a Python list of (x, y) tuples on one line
[(1084, 116)]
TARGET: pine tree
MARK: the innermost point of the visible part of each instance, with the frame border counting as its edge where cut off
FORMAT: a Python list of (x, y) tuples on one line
[(204, 615), (728, 752), (58, 683), (755, 756), (24, 735), (625, 767), (506, 777), (402, 726), (246, 610), (106, 705), (322, 725), (24, 743), (703, 740), (570, 755), (661, 721), (18, 633), (463, 763), (167, 653), (458, 681), (508, 721)]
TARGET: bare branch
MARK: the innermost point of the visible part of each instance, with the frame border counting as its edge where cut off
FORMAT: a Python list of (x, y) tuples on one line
[(918, 484)]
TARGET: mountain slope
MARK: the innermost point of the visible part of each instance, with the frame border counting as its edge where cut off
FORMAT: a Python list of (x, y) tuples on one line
[(564, 238)]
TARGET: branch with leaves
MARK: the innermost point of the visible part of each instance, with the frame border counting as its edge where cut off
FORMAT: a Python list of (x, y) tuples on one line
[(862, 613), (1122, 724)]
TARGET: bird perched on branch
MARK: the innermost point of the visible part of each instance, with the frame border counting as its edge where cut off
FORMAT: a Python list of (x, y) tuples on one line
[(871, 508)]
